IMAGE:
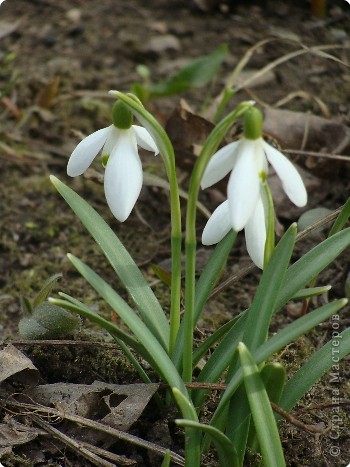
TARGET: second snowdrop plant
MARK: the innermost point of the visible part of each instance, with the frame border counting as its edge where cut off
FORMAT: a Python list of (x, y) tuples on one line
[(240, 353)]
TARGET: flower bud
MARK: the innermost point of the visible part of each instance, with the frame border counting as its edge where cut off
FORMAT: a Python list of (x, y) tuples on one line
[(253, 122), (122, 116)]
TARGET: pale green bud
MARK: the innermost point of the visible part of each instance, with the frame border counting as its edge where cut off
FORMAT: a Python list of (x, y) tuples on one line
[(122, 116), (253, 123)]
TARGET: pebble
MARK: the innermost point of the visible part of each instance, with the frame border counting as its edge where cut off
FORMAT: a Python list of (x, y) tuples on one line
[(74, 15), (339, 35), (161, 44)]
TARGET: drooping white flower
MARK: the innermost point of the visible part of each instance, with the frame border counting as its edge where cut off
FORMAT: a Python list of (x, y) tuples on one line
[(123, 175), (219, 225), (247, 160)]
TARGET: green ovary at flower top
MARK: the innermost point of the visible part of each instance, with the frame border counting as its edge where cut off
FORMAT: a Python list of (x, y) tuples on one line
[(123, 175), (246, 206)]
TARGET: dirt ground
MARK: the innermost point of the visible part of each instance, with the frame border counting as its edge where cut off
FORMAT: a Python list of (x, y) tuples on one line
[(57, 62)]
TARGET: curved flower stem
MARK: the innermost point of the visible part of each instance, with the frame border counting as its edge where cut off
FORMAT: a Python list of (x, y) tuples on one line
[(167, 152), (210, 146), (270, 228)]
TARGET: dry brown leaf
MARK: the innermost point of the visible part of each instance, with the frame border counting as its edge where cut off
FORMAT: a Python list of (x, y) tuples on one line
[(118, 406), (13, 363), (47, 95), (7, 28), (15, 433), (297, 130), (187, 132)]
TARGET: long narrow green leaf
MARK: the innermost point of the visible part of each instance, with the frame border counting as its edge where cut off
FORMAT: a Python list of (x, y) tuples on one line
[(277, 342), (226, 451), (342, 219), (257, 326), (159, 356), (312, 263), (209, 277), (118, 335), (273, 376), (198, 73), (71, 304), (166, 460), (212, 271), (220, 358), (192, 436), (238, 409), (264, 419), (311, 292), (121, 261), (263, 306), (45, 291), (297, 276), (210, 341), (322, 361)]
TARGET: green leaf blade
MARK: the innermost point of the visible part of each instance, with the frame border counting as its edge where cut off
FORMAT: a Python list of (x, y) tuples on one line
[(263, 306), (160, 360), (121, 262), (197, 74), (226, 451), (313, 370), (276, 343), (312, 263), (262, 414)]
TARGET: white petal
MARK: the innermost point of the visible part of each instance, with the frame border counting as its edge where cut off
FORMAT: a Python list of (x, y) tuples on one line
[(292, 182), (123, 176), (220, 164), (85, 152), (255, 235), (217, 226), (145, 140), (111, 141), (244, 184)]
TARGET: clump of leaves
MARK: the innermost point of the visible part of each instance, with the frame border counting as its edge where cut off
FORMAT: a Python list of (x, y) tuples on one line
[(46, 320)]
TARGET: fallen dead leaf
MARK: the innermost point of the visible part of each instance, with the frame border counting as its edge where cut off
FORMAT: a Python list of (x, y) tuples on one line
[(13, 363), (298, 130), (117, 405), (14, 433), (7, 28)]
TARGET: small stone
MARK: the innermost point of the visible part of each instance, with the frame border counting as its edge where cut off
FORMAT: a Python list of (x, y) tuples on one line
[(339, 35), (161, 44), (74, 15), (260, 81)]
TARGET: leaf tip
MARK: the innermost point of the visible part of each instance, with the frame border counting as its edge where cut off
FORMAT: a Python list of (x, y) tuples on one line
[(53, 180), (114, 93)]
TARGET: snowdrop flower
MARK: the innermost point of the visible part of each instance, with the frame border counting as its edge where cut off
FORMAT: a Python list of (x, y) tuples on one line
[(247, 160), (123, 175), (219, 225)]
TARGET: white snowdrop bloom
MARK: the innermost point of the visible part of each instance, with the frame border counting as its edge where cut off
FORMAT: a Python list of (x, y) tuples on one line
[(219, 225), (247, 160), (123, 174)]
